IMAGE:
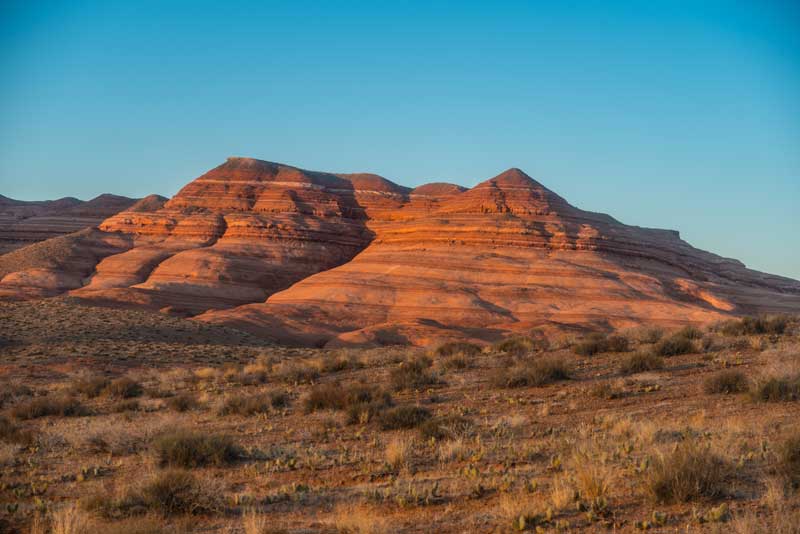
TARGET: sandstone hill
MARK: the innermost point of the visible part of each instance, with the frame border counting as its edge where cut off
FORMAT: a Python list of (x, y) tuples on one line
[(23, 223), (316, 258)]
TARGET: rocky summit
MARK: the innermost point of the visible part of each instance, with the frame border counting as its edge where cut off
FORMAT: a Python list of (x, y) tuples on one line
[(324, 259)]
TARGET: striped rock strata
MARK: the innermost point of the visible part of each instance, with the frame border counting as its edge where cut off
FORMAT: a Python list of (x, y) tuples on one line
[(318, 259)]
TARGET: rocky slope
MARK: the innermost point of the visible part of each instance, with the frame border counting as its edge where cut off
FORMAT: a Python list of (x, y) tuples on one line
[(23, 223), (319, 258)]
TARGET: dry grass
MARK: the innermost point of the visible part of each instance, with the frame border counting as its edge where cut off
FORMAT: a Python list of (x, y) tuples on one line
[(59, 406), (398, 452), (688, 473), (360, 520), (726, 382), (185, 448), (640, 362), (539, 372), (414, 373)]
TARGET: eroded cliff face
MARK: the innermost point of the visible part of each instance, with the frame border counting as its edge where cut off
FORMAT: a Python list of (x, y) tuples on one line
[(318, 258)]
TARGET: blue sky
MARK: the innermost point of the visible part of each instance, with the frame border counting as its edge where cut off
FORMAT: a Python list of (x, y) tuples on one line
[(682, 115)]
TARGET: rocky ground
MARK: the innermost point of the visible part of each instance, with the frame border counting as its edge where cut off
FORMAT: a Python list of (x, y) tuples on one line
[(120, 421)]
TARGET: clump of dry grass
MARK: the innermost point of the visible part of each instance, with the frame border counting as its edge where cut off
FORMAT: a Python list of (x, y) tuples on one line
[(765, 324), (246, 405), (444, 427), (402, 417), (123, 388), (599, 343), (333, 363), (639, 362), (398, 451), (337, 396), (593, 477), (183, 402), (359, 520), (521, 345), (172, 492), (254, 523), (457, 348), (789, 459), (90, 386), (184, 448), (539, 372), (674, 345), (776, 388), (727, 382), (414, 373), (59, 405), (520, 511), (296, 372), (688, 473), (13, 433)]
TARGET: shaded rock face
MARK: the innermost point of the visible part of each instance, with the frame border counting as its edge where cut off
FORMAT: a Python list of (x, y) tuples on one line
[(317, 259), (23, 223)]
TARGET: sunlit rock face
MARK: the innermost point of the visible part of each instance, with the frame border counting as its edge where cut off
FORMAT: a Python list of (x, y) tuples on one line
[(316, 258)]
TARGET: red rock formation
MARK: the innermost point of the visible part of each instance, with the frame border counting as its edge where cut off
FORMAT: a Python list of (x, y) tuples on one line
[(23, 223), (339, 259)]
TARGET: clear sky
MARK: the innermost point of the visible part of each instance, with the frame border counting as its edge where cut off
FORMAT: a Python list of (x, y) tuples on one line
[(677, 114)]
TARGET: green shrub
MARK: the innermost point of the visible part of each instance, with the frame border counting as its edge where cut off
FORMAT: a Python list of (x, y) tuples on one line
[(726, 382), (674, 345), (640, 362), (690, 472), (246, 405), (536, 373), (124, 388), (446, 427), (62, 406), (413, 374), (184, 448), (401, 417), (776, 389), (457, 348)]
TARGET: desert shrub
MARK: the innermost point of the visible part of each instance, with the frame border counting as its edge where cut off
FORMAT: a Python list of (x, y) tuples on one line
[(336, 396), (401, 417), (297, 373), (650, 334), (727, 381), (335, 364), (184, 448), (245, 405), (89, 386), (766, 324), (536, 373), (776, 389), (789, 459), (689, 332), (457, 362), (640, 362), (12, 433), (519, 345), (124, 388), (606, 390), (176, 492), (130, 405), (445, 427), (182, 403), (598, 343), (62, 406), (457, 348), (674, 345), (137, 525), (12, 392), (413, 374), (690, 472), (278, 399)]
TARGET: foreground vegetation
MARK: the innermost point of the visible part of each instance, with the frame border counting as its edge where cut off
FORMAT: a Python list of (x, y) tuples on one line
[(647, 429)]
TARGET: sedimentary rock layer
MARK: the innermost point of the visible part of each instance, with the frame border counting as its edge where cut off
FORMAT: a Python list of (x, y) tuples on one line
[(340, 259)]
